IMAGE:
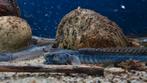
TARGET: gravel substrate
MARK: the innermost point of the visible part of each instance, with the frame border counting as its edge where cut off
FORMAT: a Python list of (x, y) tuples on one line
[(127, 77), (117, 76)]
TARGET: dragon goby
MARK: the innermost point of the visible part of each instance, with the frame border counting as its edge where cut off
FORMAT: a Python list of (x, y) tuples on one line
[(94, 56)]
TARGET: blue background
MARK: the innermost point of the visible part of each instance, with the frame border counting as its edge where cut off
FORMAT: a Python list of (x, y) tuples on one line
[(45, 15)]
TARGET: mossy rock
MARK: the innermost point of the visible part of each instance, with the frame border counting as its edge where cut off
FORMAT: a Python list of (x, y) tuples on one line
[(84, 28), (15, 33)]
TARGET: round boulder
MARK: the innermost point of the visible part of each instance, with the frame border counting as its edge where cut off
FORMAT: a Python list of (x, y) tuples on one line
[(15, 33), (9, 8), (84, 28)]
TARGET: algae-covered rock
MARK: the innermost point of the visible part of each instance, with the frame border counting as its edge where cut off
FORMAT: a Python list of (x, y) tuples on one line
[(83, 28), (15, 33), (9, 8)]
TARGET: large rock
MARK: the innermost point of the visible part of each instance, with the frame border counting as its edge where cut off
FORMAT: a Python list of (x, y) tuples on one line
[(15, 33), (83, 28), (9, 8)]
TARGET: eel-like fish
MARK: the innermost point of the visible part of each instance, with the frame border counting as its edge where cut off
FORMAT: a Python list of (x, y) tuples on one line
[(38, 47), (94, 56), (126, 50), (40, 41), (27, 54), (84, 55)]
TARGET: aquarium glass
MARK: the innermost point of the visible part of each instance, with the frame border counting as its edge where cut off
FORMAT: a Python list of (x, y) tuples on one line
[(45, 15)]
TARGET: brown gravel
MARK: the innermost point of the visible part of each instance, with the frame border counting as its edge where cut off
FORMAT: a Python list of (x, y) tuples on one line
[(128, 77), (132, 76)]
